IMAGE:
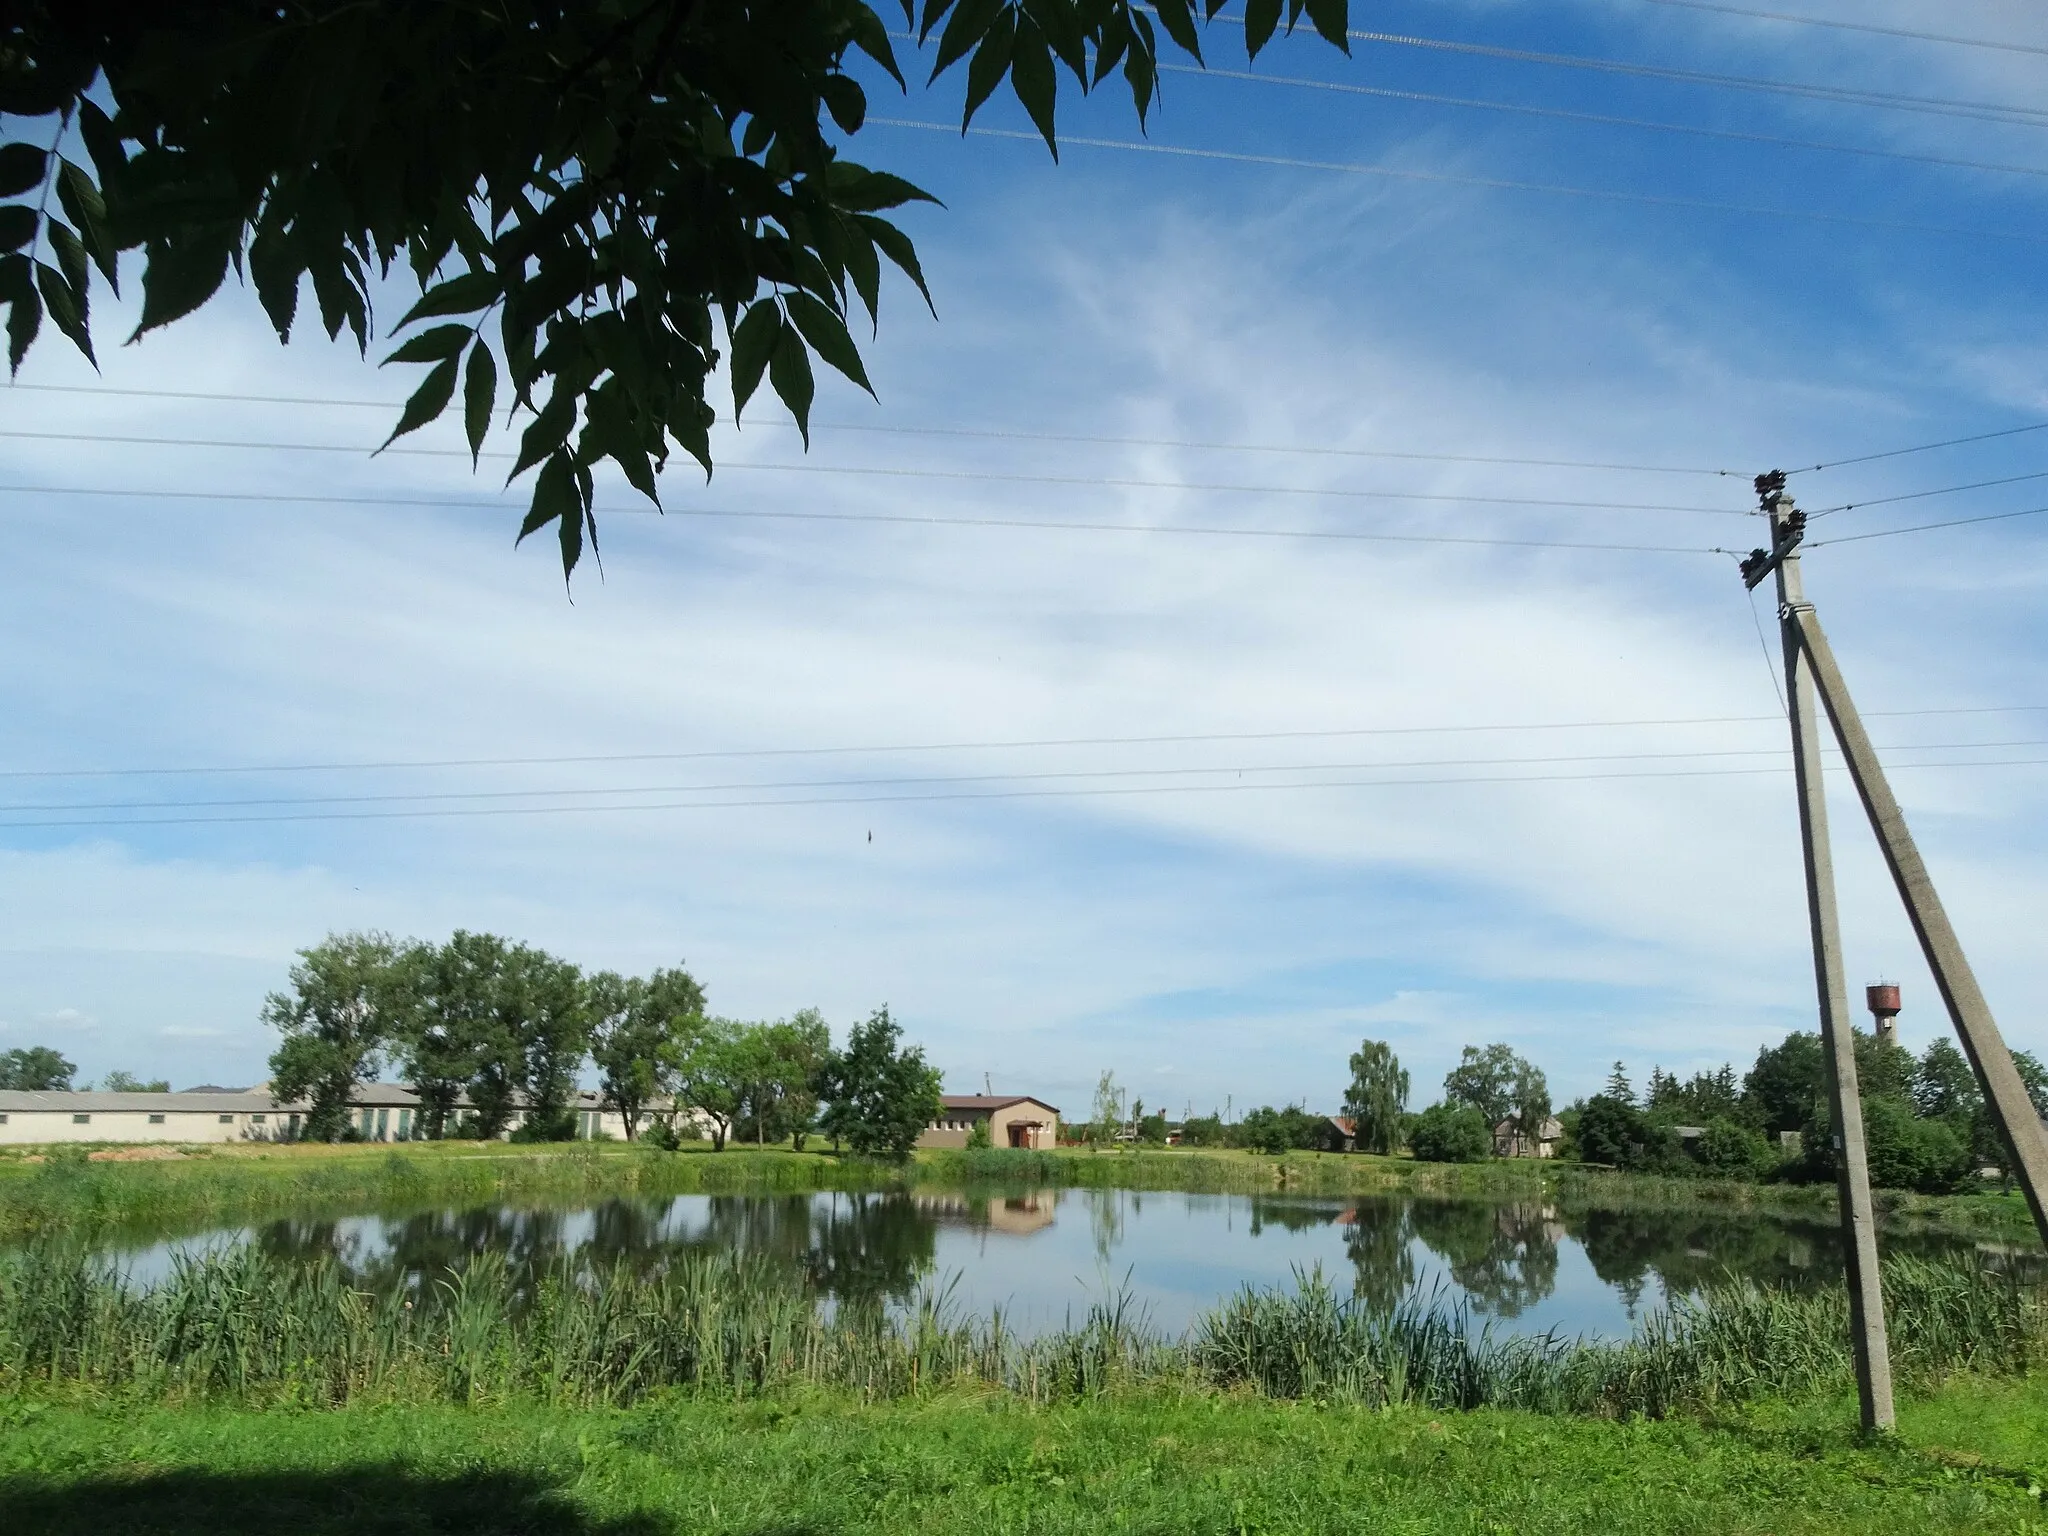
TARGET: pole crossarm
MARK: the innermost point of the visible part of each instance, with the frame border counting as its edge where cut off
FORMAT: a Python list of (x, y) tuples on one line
[(2004, 1092)]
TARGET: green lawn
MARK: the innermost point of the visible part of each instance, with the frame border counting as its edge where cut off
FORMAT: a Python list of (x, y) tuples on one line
[(1968, 1460)]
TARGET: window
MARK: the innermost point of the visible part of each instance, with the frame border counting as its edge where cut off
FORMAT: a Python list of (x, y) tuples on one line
[(227, 1119), (292, 1128), (256, 1119), (156, 1119), (3, 1119), (81, 1119), (405, 1125), (383, 1123)]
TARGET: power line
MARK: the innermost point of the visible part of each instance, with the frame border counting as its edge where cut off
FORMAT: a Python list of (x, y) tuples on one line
[(1035, 776), (1387, 93), (1106, 482), (997, 434), (1199, 530), (1852, 26), (1490, 183), (890, 749), (1954, 522), (1937, 106), (1017, 794), (1899, 453), (1945, 490)]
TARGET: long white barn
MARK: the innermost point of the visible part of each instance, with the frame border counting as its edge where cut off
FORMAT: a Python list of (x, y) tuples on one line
[(379, 1112)]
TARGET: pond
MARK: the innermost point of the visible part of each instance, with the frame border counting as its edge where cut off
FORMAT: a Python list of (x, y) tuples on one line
[(1045, 1255)]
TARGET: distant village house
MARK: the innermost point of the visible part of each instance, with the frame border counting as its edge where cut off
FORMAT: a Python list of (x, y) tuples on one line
[(1013, 1120)]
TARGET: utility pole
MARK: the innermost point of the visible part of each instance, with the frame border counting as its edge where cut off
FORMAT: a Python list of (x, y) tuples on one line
[(1838, 1043), (2004, 1093)]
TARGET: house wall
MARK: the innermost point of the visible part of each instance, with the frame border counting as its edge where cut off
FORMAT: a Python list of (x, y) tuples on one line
[(33, 1127), (952, 1128)]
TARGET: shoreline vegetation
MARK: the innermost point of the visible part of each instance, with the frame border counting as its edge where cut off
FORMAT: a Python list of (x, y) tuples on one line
[(258, 1329), (117, 1191)]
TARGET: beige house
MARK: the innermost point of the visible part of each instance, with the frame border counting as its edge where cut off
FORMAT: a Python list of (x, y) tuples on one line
[(1508, 1140), (1012, 1121)]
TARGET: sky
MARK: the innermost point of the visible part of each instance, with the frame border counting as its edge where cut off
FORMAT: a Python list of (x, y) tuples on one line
[(1258, 765)]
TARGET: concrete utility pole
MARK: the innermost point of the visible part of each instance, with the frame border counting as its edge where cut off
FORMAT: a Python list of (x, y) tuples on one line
[(2004, 1093), (1838, 1042)]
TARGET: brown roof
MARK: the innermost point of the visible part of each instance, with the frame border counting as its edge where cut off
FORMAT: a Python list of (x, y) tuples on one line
[(991, 1101)]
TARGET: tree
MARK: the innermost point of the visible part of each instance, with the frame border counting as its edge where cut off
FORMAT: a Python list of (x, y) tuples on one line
[(883, 1097), (1610, 1131), (1108, 1115), (713, 1072), (127, 1082), (340, 1015), (787, 1073), (640, 1030), (35, 1069), (1451, 1133), (542, 1005), (1785, 1084), (1944, 1087), (1494, 1081), (443, 1032), (1377, 1097), (1619, 1088), (609, 182)]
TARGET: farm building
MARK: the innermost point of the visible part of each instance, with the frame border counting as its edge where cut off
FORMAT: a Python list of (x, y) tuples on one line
[(1013, 1120)]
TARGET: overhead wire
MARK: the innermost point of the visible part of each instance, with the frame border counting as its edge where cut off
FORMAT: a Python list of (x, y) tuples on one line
[(1388, 93), (1488, 183), (1031, 776), (1835, 24), (1899, 453), (1945, 490), (912, 519), (1953, 522), (968, 795), (891, 471), (998, 434), (890, 749)]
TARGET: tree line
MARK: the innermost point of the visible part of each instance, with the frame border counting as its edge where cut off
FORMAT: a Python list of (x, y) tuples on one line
[(1926, 1126), (40, 1069), (494, 1036)]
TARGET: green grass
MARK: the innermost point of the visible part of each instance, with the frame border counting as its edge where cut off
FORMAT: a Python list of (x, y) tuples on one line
[(64, 1192), (249, 1326), (823, 1465)]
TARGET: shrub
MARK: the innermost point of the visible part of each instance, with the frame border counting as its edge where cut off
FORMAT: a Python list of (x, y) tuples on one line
[(1731, 1150), (1609, 1131), (1444, 1134), (1909, 1153), (978, 1139), (661, 1136)]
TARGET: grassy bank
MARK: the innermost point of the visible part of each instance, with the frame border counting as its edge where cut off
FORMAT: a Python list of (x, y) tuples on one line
[(818, 1464), (68, 1192), (256, 1328)]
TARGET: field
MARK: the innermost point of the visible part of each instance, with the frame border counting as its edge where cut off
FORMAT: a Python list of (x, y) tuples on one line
[(201, 1186), (1970, 1458)]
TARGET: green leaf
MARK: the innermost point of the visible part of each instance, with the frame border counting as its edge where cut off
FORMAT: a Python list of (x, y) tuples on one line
[(274, 264), (1260, 18), (846, 101), (548, 430), (1033, 79), (871, 37), (857, 189), (479, 393), (826, 332), (431, 346), (66, 306), (21, 168), (865, 268), (1179, 22), (556, 497), (991, 62), (752, 344), (462, 295), (17, 226), (70, 258), (789, 370), (102, 140), (969, 27), (24, 309), (427, 402), (177, 279), (87, 211), (1333, 20), (608, 432), (897, 247)]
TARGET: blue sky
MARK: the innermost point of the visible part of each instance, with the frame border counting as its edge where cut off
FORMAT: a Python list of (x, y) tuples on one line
[(1206, 941)]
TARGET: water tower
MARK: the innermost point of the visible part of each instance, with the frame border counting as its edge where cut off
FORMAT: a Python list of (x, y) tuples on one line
[(1883, 998)]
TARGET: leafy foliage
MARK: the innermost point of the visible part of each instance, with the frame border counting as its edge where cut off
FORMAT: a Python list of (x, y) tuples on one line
[(35, 1069), (127, 1082), (1290, 1129), (334, 1024), (599, 204), (640, 1029), (1499, 1084), (1451, 1133), (882, 1096), (1377, 1097)]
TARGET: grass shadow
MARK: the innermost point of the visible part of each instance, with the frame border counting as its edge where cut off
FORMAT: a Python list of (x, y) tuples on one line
[(357, 1501)]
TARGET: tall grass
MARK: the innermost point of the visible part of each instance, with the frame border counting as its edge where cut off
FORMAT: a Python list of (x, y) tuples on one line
[(249, 1327)]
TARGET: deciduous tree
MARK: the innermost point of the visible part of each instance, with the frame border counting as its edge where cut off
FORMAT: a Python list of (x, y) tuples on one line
[(35, 1069), (600, 204), (343, 1008), (1377, 1098), (640, 1030), (883, 1095)]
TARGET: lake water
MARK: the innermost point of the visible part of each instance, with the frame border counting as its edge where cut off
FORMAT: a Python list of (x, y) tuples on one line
[(1044, 1255)]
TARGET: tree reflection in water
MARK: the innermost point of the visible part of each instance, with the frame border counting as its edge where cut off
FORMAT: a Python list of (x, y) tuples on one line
[(1503, 1256)]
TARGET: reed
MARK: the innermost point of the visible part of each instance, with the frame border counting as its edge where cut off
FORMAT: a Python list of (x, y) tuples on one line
[(243, 1326)]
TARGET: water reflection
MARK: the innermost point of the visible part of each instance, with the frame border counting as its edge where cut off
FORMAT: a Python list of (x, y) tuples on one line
[(1526, 1266)]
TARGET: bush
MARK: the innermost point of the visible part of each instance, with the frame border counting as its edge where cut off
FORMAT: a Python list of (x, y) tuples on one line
[(1292, 1129), (1909, 1153), (1205, 1131), (1609, 1131), (978, 1139), (661, 1136), (1443, 1134), (1731, 1150)]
